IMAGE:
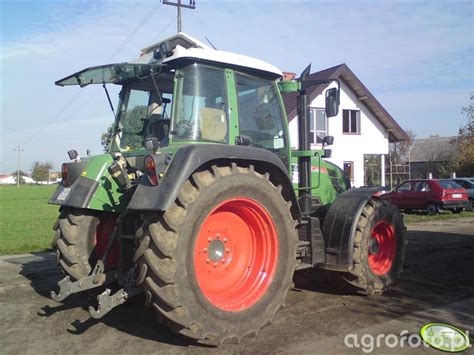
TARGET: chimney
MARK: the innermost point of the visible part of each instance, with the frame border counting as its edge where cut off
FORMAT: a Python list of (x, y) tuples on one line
[(288, 75)]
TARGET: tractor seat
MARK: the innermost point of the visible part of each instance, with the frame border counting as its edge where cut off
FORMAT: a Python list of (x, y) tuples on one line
[(213, 124), (159, 127)]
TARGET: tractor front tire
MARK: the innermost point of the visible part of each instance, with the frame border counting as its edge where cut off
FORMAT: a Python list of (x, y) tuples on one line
[(81, 237), (217, 265), (379, 248)]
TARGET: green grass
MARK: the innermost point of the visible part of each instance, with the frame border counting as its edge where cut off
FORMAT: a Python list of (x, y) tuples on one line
[(445, 215), (26, 220)]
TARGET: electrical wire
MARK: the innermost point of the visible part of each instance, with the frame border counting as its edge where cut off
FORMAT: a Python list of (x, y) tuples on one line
[(147, 17)]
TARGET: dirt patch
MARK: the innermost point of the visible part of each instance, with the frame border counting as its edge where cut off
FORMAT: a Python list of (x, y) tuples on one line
[(319, 311)]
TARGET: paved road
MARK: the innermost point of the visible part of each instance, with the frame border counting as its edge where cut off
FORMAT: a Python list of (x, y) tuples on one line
[(437, 285)]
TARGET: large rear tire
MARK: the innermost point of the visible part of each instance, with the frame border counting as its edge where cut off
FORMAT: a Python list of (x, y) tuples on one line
[(81, 238), (379, 248), (217, 265)]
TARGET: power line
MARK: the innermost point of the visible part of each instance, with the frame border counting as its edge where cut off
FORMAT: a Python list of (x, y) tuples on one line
[(163, 30), (136, 29), (179, 5), (117, 50)]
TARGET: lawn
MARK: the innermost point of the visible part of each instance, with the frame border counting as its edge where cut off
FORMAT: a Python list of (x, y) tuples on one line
[(422, 217), (26, 220)]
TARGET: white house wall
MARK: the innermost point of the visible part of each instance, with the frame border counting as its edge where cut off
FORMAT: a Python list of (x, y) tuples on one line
[(373, 139)]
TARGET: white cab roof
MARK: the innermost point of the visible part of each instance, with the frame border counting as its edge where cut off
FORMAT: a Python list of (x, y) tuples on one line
[(186, 46)]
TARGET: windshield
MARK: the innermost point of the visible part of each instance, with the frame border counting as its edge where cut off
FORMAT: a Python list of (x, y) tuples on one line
[(110, 73), (201, 107), (144, 112)]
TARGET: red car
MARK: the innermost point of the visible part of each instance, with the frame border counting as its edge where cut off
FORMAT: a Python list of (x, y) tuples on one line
[(429, 195)]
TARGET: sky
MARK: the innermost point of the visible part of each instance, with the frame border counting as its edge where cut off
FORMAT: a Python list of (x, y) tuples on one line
[(416, 57)]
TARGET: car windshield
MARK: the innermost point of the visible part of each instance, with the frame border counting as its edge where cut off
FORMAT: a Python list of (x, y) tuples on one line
[(447, 184), (144, 112)]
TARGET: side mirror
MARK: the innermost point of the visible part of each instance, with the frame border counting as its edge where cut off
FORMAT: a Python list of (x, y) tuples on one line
[(332, 102), (328, 140)]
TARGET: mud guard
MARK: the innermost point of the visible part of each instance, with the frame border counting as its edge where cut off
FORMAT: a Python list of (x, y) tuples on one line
[(191, 157), (339, 227)]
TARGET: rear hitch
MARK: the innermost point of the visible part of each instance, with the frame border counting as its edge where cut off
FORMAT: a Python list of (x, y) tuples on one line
[(96, 279), (107, 302)]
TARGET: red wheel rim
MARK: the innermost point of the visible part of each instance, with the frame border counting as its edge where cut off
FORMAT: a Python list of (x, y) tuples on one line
[(382, 248), (236, 254), (102, 237)]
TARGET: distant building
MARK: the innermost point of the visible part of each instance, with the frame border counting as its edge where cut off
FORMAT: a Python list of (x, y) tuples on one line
[(362, 130), (433, 155), (9, 179)]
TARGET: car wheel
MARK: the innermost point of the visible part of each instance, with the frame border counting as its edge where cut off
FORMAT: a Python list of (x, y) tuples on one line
[(432, 209)]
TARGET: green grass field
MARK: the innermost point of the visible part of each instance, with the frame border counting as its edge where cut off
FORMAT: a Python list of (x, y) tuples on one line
[(26, 220), (444, 215)]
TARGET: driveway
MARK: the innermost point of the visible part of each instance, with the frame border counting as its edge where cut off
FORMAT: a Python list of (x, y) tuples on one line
[(436, 285)]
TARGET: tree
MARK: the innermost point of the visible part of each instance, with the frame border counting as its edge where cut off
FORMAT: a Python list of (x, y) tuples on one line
[(396, 169), (106, 138), (465, 141), (40, 171), (398, 151), (15, 175), (132, 129)]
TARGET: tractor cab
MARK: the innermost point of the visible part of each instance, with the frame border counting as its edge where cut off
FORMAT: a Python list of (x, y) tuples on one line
[(181, 91)]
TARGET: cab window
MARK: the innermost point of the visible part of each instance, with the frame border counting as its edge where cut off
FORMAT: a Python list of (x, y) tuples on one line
[(201, 105), (260, 114)]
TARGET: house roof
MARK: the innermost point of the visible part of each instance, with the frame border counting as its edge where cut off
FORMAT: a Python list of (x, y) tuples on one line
[(433, 149), (344, 74)]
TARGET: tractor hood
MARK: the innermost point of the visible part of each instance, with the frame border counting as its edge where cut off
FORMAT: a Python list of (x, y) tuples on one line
[(109, 73)]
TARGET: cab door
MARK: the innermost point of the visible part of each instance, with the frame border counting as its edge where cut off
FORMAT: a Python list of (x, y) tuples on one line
[(261, 118)]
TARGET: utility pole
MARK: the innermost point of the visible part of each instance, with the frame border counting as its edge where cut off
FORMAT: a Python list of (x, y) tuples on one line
[(19, 150), (179, 5)]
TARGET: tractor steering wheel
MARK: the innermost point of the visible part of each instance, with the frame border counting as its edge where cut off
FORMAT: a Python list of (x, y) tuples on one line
[(183, 128)]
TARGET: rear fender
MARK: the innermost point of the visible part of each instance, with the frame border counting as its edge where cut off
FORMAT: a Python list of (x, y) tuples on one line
[(190, 158), (339, 227)]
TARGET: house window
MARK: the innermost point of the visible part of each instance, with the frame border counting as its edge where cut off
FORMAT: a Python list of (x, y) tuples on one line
[(351, 121), (349, 170), (317, 125)]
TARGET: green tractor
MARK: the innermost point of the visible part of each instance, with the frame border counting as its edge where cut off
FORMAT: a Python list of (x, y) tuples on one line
[(201, 204)]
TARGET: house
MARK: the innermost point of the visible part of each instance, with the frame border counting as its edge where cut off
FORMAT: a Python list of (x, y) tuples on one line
[(435, 155), (362, 130), (9, 179)]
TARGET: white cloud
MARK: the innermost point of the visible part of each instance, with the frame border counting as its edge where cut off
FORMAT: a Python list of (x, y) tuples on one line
[(415, 57)]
